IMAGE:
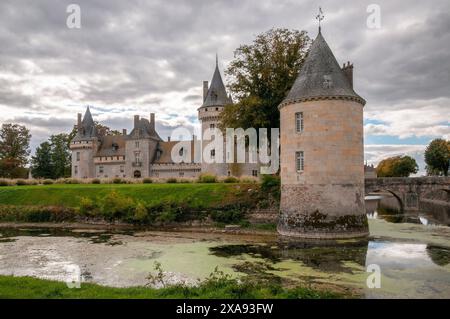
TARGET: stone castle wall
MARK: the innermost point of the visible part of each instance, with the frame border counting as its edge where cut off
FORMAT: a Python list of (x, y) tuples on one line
[(326, 199)]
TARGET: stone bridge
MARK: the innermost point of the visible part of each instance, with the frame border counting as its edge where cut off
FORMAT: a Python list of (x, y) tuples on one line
[(410, 191)]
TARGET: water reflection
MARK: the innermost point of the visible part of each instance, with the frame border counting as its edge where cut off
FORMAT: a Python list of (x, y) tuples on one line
[(387, 207)]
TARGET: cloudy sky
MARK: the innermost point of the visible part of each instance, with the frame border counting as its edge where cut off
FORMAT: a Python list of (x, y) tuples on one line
[(136, 57)]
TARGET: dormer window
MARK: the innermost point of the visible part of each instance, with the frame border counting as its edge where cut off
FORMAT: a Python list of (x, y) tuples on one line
[(115, 146)]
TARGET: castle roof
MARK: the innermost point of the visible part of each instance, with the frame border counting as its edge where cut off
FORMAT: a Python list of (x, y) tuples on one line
[(321, 77), (165, 149), (217, 94), (88, 129), (112, 145), (143, 129)]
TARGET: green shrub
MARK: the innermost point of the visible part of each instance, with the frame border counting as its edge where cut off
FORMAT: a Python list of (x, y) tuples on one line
[(47, 182), (147, 180), (21, 182), (71, 181), (172, 180), (270, 184), (88, 207), (4, 182), (36, 214), (118, 181), (116, 206), (227, 216), (231, 179), (207, 178), (140, 213), (96, 181)]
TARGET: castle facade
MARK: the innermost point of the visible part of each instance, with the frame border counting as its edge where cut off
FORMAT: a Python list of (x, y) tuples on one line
[(143, 153)]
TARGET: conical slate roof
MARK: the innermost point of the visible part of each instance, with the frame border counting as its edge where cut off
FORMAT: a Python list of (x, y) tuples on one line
[(88, 129), (321, 77), (217, 94)]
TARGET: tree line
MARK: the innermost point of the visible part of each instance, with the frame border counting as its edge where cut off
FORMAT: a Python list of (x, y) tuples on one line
[(52, 158)]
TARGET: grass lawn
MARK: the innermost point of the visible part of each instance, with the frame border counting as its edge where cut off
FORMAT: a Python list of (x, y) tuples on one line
[(32, 288), (68, 195)]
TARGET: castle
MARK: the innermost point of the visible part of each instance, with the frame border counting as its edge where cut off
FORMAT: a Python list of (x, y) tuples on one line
[(321, 149), (143, 153)]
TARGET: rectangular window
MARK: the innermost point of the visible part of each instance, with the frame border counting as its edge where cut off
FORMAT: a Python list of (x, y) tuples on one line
[(181, 174), (136, 144), (255, 173), (76, 170), (299, 122), (213, 153), (300, 161), (121, 169), (137, 157), (211, 126), (100, 169), (78, 156)]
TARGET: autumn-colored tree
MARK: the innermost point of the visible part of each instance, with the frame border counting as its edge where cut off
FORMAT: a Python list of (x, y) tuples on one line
[(14, 150), (261, 75), (437, 157), (397, 166)]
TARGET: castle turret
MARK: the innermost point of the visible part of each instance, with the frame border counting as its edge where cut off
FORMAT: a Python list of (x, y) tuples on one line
[(215, 99), (322, 168), (84, 146)]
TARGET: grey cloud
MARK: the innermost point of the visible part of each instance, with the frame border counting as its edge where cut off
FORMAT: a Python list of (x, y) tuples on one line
[(129, 55)]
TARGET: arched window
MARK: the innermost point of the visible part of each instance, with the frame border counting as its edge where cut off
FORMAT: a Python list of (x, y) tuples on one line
[(137, 174)]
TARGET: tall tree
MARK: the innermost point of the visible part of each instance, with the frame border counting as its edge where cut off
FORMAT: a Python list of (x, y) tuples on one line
[(14, 150), (41, 162), (262, 73), (60, 155), (437, 157), (397, 166)]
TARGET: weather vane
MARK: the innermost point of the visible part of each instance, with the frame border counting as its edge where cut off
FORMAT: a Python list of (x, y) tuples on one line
[(320, 16)]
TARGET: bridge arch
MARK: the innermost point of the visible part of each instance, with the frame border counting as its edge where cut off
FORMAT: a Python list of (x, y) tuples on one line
[(399, 199)]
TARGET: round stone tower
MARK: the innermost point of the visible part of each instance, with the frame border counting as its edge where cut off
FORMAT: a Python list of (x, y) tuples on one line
[(215, 99), (322, 156), (84, 146)]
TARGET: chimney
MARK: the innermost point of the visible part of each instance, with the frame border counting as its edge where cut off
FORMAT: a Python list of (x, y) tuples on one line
[(79, 122), (205, 90), (168, 139), (348, 71), (152, 121), (124, 132), (136, 121)]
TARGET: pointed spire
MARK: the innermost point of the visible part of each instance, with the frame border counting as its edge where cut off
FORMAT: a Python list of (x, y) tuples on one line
[(217, 94), (87, 119), (321, 77), (88, 129)]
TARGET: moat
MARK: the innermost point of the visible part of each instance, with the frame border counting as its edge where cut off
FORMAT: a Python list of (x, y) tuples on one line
[(412, 251)]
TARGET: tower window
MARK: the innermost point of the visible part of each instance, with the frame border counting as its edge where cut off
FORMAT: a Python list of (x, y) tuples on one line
[(212, 126), (181, 152), (136, 144), (299, 122), (78, 156), (213, 153), (300, 161)]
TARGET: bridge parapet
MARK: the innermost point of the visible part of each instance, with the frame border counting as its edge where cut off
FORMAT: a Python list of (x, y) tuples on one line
[(409, 191)]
